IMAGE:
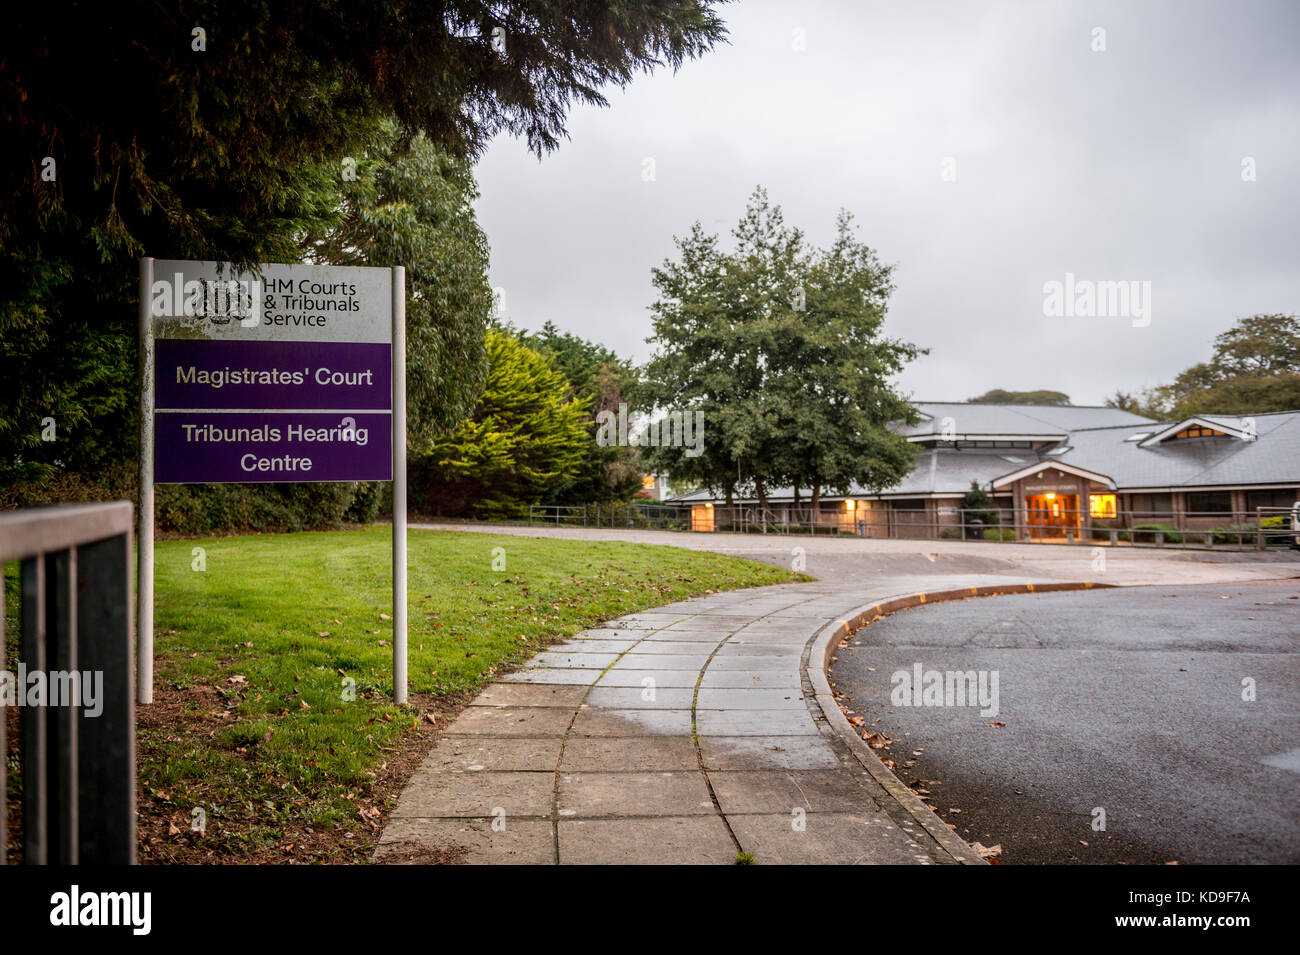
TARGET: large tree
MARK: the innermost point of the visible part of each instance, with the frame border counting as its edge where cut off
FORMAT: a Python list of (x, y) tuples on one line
[(1254, 369), (838, 369), (602, 381), (412, 203), (212, 130), (526, 432), (1000, 396), (781, 348)]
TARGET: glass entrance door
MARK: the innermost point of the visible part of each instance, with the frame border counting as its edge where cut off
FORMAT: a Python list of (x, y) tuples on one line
[(1050, 515)]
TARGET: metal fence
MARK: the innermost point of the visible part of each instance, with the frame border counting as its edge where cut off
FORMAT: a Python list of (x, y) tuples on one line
[(648, 516), (77, 769), (1258, 529)]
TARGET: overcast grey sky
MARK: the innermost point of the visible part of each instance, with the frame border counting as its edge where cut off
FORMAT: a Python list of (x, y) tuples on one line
[(1120, 165)]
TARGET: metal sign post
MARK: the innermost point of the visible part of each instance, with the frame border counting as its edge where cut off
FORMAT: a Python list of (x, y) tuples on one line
[(399, 484), (292, 373), (144, 538)]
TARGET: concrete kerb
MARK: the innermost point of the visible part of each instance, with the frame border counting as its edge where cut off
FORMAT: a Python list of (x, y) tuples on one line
[(822, 648)]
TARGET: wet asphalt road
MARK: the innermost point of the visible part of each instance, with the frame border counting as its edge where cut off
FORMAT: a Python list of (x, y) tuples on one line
[(1126, 700)]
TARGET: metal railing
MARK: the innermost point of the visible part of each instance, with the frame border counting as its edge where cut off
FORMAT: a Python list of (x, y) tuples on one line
[(78, 766), (557, 514), (1242, 530), (637, 514), (1257, 528)]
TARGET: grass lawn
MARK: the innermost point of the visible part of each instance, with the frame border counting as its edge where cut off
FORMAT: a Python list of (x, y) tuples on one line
[(273, 670)]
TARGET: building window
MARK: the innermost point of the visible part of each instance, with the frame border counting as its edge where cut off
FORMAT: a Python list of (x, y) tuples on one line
[(1152, 505), (648, 482), (1284, 498), (1209, 502), (1198, 431), (1101, 505)]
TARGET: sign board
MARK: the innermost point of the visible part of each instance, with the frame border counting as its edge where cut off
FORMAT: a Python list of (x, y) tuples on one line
[(284, 373)]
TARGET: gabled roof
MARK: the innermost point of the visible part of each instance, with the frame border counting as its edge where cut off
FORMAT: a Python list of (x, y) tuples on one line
[(1055, 464), (1272, 458), (1233, 427), (1010, 421), (937, 471)]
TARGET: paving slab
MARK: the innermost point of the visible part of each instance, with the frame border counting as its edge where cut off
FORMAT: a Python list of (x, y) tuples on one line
[(611, 633), (407, 839), (671, 647), (512, 721), (621, 677), (790, 652), (472, 754), (665, 793), (768, 752), (755, 723), (631, 753), (810, 790), (750, 698), (703, 640), (444, 794), (653, 697), (576, 659), (755, 663), (612, 722), (552, 675), (595, 646), (779, 638), (776, 679), (528, 694), (661, 661), (858, 838), (722, 622), (662, 840)]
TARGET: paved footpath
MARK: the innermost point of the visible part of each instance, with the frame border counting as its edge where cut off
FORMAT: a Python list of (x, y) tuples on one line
[(696, 731)]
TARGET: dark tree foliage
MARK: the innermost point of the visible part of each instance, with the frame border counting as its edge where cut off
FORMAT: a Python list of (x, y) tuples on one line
[(1000, 396), (601, 381), (1254, 369), (781, 347), (121, 137)]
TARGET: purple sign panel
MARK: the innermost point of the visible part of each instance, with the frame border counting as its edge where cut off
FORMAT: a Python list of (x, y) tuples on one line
[(205, 374), (270, 446)]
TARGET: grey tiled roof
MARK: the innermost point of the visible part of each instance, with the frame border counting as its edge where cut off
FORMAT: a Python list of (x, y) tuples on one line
[(971, 419), (1273, 458), (937, 471)]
